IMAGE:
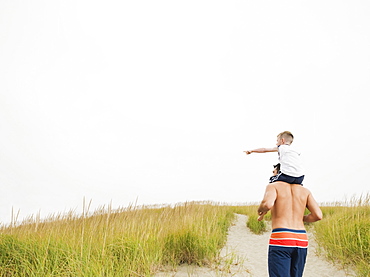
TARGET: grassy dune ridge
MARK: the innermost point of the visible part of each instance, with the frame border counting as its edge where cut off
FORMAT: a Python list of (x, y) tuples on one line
[(138, 241), (344, 233), (124, 242)]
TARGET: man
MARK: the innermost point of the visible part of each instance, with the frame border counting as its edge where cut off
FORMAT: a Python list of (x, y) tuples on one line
[(288, 242)]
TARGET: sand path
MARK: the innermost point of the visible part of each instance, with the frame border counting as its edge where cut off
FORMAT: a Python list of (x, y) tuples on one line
[(245, 254)]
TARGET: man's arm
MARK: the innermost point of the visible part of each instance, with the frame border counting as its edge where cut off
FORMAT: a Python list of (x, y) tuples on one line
[(261, 150), (267, 202), (315, 211)]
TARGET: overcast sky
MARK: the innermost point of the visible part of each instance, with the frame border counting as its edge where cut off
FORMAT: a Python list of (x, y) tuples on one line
[(154, 101)]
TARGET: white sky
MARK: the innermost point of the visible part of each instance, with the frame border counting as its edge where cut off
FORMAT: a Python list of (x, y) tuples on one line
[(156, 100)]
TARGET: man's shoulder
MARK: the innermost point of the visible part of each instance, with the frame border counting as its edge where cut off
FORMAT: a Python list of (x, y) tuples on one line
[(271, 186), (277, 185), (301, 190), (283, 185)]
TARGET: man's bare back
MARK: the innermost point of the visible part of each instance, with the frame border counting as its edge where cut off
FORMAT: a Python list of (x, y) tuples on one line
[(289, 206), (287, 203)]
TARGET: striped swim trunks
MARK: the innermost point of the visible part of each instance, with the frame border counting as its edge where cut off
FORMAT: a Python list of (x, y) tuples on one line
[(284, 237)]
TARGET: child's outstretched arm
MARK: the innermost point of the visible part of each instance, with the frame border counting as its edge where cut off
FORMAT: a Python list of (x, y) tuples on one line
[(261, 150)]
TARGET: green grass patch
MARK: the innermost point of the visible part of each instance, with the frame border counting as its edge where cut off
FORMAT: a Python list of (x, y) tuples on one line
[(138, 241), (123, 242), (344, 233), (257, 227)]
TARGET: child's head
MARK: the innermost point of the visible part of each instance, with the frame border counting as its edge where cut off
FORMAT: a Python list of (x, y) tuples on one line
[(285, 137)]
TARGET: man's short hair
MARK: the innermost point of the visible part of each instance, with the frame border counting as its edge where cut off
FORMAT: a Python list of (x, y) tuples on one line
[(288, 136)]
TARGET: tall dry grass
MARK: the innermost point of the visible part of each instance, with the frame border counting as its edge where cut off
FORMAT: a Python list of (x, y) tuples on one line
[(138, 241), (344, 233), (124, 242)]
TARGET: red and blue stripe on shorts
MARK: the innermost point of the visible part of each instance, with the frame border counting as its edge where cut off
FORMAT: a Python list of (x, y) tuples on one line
[(288, 238)]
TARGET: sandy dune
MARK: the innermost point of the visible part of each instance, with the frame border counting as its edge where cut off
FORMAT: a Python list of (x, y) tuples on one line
[(245, 254)]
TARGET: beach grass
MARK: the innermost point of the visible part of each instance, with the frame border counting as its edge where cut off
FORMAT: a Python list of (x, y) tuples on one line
[(140, 241), (344, 233), (135, 241), (257, 227)]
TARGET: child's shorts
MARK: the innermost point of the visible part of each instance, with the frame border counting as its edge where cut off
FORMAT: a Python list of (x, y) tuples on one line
[(287, 179)]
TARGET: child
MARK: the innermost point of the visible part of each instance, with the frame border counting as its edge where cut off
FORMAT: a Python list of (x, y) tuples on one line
[(291, 170)]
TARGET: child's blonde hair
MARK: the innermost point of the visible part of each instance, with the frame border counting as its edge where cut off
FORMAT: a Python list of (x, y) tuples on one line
[(288, 136)]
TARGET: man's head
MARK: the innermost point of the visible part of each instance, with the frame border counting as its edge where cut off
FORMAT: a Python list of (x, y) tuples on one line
[(276, 169), (285, 137)]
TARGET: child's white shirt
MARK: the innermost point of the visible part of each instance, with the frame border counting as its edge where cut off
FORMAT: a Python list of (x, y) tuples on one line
[(290, 161)]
